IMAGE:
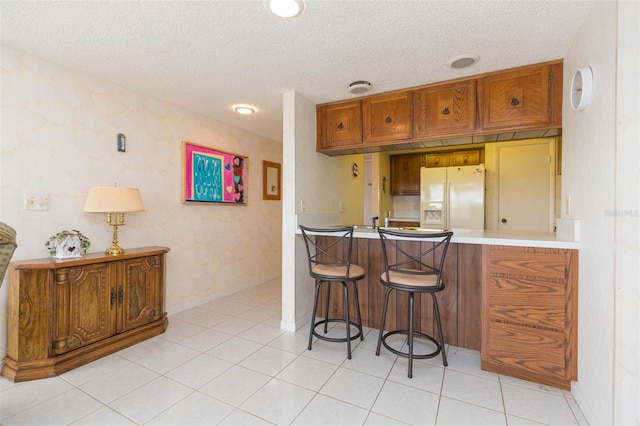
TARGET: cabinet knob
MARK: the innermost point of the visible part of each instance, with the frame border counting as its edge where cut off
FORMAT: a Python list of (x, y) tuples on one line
[(445, 111), (388, 119), (514, 101), (503, 220), (437, 162), (340, 126)]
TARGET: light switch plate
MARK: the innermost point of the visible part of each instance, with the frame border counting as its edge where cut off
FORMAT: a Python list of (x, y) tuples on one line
[(36, 201)]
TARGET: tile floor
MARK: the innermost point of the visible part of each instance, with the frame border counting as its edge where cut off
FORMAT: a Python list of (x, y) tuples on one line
[(227, 362)]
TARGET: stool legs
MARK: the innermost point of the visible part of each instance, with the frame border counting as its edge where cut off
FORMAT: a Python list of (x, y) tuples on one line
[(384, 316), (346, 320), (436, 312), (410, 336)]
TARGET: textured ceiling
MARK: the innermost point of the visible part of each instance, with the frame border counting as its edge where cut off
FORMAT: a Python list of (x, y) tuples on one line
[(207, 56)]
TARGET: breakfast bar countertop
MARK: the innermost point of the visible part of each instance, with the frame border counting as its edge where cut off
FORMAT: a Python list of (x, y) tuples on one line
[(490, 237)]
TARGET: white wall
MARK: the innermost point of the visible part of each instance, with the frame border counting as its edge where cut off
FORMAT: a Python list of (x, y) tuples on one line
[(322, 185), (600, 176), (59, 137)]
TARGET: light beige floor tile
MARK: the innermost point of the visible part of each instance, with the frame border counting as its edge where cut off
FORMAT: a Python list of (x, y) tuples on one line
[(235, 349), (234, 325), (454, 413), (426, 377), (63, 409), (196, 409), (205, 340), (94, 369), (292, 342), (227, 307), (268, 360), (199, 371), (353, 387), (113, 384), (167, 358), (366, 361), (235, 385), (261, 333), (189, 314), (531, 385), (519, 421), (581, 419), (177, 331), (242, 418), (407, 404), (274, 320), (473, 389), (210, 318), (323, 410), (307, 373), (257, 314), (278, 402), (335, 353), (375, 419), (467, 361), (146, 402), (104, 416), (23, 396), (144, 348), (537, 406)]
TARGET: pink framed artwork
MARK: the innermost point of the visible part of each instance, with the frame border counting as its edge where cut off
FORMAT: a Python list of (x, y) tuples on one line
[(213, 176)]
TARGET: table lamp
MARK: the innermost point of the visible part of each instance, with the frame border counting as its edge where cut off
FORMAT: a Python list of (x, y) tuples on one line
[(113, 201)]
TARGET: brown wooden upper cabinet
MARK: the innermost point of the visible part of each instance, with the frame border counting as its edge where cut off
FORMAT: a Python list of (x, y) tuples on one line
[(339, 124), (448, 109), (522, 98), (405, 173), (387, 118)]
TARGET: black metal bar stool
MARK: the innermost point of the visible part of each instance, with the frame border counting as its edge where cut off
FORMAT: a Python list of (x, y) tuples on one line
[(330, 262), (414, 271)]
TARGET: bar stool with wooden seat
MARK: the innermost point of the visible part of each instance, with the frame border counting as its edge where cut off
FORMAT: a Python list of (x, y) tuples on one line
[(413, 268), (329, 253)]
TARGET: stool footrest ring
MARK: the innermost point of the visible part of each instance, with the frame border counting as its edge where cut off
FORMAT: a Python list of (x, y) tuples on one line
[(415, 334), (336, 339)]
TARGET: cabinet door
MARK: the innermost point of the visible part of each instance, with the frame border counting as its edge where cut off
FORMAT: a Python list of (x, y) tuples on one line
[(466, 158), (387, 117), (339, 125), (139, 292), (84, 306), (445, 110), (440, 159), (405, 174), (517, 99), (529, 309)]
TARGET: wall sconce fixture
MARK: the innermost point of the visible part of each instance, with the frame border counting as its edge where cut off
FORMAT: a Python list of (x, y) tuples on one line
[(113, 201)]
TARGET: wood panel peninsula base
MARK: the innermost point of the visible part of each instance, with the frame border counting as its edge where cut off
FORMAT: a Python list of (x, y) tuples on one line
[(514, 303), (64, 314)]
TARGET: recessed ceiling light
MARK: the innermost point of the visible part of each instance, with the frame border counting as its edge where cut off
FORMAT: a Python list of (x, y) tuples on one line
[(244, 110), (463, 61), (285, 8), (358, 87)]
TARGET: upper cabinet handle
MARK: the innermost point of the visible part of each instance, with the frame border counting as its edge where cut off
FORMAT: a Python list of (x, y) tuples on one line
[(514, 101), (445, 111), (388, 119), (340, 126)]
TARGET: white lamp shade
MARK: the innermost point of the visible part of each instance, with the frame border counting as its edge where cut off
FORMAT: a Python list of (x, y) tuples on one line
[(113, 199)]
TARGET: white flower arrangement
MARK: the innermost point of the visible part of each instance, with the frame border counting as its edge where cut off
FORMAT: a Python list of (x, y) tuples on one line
[(66, 244)]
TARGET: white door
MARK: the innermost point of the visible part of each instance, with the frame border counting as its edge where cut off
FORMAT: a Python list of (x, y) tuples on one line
[(526, 182)]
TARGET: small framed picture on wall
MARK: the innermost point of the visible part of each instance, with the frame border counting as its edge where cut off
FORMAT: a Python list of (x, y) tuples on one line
[(271, 180)]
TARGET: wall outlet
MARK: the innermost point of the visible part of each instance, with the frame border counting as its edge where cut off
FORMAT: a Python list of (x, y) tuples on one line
[(303, 206), (36, 201), (340, 207)]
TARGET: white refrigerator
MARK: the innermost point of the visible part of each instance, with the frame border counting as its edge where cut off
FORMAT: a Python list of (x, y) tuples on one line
[(452, 197)]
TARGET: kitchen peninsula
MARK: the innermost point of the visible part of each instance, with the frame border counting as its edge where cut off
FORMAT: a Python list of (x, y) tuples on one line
[(512, 296)]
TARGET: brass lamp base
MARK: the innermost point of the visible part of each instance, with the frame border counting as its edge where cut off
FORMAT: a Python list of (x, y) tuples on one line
[(114, 250)]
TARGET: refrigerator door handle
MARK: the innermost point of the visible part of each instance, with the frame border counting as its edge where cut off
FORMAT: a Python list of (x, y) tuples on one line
[(445, 208)]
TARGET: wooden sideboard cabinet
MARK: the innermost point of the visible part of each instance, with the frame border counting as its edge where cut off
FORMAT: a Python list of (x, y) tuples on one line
[(529, 313), (63, 314)]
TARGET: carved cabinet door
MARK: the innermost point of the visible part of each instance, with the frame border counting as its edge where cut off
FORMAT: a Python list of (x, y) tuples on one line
[(139, 292), (85, 306)]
